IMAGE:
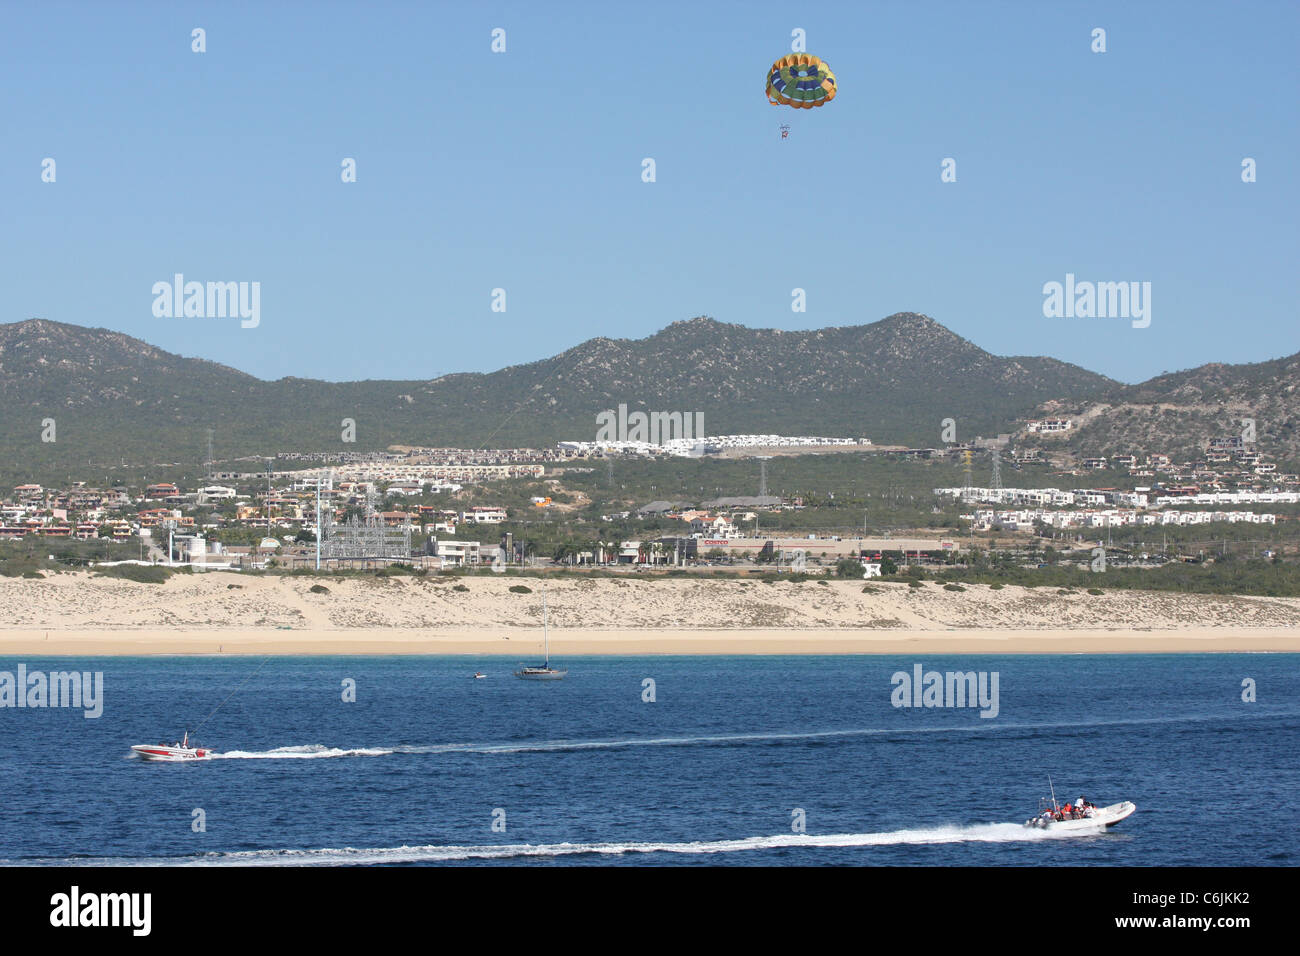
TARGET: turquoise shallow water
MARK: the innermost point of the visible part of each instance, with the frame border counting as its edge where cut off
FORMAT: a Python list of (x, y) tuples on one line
[(583, 771)]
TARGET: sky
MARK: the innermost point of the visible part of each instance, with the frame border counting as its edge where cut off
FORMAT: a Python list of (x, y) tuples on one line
[(523, 171)]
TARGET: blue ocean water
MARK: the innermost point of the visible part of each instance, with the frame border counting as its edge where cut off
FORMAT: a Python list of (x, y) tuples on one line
[(584, 771)]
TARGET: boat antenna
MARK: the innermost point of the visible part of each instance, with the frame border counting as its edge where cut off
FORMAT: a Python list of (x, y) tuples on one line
[(231, 694), (1053, 789)]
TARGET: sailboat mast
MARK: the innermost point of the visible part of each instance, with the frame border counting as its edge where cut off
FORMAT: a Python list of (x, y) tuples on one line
[(546, 639)]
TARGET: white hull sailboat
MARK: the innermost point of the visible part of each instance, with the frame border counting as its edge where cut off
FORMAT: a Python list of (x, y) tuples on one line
[(545, 671)]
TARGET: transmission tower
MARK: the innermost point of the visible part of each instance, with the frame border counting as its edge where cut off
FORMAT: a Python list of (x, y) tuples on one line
[(365, 537), (268, 494), (966, 490), (762, 479), (997, 470)]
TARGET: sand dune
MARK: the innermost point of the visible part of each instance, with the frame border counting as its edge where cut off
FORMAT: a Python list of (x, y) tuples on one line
[(249, 614)]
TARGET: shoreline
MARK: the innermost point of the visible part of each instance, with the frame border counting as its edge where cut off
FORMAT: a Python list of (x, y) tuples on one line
[(523, 643), (77, 613)]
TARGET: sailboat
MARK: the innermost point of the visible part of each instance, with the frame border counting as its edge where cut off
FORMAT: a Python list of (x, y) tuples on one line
[(546, 671)]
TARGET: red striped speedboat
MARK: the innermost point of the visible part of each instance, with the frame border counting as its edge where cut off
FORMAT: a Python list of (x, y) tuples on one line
[(181, 750)]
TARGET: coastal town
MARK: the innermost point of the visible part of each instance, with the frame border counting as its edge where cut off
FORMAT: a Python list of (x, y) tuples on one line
[(855, 446), (410, 505)]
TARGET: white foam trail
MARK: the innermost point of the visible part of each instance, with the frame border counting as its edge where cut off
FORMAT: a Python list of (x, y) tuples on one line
[(319, 750), (311, 751), (305, 752), (378, 856)]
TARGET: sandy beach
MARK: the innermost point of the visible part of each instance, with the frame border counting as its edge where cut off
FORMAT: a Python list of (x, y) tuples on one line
[(78, 613)]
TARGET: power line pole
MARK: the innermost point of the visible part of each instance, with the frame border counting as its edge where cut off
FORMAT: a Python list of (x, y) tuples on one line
[(318, 528), (268, 497)]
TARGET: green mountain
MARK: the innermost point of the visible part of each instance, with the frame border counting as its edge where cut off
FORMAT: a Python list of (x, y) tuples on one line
[(116, 398)]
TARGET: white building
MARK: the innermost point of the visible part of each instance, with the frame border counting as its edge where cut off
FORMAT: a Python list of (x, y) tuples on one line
[(215, 493), (1049, 425), (456, 553)]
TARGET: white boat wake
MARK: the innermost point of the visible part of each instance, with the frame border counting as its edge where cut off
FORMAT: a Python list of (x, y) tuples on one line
[(306, 752), (380, 856), (318, 751)]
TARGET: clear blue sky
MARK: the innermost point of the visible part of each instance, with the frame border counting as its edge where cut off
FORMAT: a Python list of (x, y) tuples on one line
[(522, 170)]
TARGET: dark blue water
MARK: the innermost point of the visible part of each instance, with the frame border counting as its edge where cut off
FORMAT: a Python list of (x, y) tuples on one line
[(588, 773)]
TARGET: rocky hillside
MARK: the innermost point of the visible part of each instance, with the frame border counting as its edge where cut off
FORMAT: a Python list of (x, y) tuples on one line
[(114, 397)]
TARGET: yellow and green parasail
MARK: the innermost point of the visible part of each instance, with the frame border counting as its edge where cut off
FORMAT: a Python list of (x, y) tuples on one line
[(800, 80)]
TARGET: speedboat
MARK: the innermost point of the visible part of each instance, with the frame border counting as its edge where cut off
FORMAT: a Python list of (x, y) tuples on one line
[(182, 750), (1081, 818), (1080, 815), (479, 675)]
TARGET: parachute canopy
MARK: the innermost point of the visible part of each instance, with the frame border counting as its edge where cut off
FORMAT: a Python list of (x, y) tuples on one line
[(800, 80)]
